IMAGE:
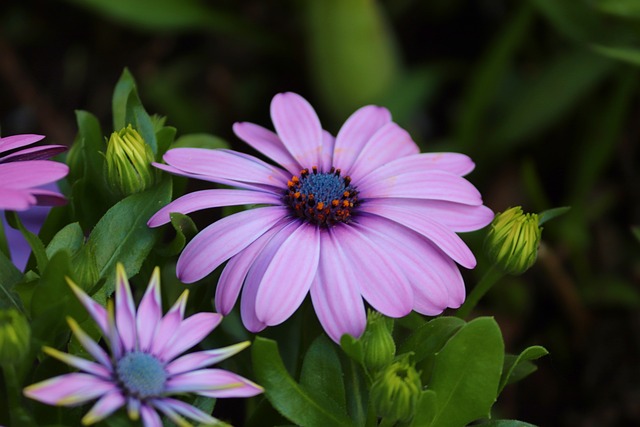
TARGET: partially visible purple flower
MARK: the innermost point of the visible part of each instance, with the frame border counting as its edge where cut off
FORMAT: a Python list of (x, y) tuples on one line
[(361, 215), (24, 170), (144, 367)]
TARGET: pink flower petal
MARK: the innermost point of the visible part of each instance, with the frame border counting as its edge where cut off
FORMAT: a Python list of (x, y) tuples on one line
[(177, 406), (97, 312), (204, 253), (456, 216), (248, 303), (443, 237), (455, 163), (179, 172), (234, 273), (48, 198), (225, 165), (335, 295), (432, 185), (381, 282), (15, 200), (213, 383), (150, 417), (16, 141), (191, 331), (125, 310), (80, 363), (32, 173), (355, 133), (268, 143), (206, 199), (248, 306), (70, 389), (35, 153), (387, 144), (298, 127), (435, 279), (149, 312), (297, 257), (169, 324), (326, 158), (104, 407), (89, 344), (201, 359)]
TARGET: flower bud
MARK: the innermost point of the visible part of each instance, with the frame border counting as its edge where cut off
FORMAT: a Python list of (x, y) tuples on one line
[(15, 336), (378, 346), (129, 160), (512, 243), (396, 390)]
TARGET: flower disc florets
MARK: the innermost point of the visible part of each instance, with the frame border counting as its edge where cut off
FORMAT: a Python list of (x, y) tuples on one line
[(321, 198), (141, 374)]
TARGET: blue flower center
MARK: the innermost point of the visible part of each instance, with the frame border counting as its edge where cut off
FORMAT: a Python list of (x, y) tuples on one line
[(321, 198), (141, 374)]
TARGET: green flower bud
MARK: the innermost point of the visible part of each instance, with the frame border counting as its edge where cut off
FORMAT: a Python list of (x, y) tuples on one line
[(378, 346), (512, 243), (396, 390), (129, 160), (15, 335)]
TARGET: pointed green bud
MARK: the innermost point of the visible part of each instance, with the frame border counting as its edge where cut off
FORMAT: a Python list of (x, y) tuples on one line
[(378, 346), (129, 160), (396, 390), (15, 336), (512, 243)]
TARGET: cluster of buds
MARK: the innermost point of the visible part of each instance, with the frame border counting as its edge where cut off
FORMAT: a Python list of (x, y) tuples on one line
[(396, 390)]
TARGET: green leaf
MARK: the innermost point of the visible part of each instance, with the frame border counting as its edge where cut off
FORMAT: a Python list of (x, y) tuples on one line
[(353, 348), (293, 401), (93, 143), (166, 15), (488, 75), (427, 340), (4, 246), (504, 423), (347, 40), (542, 101), (122, 234), (9, 276), (185, 230), (636, 232), (37, 247), (466, 374), (626, 54), (321, 370), (165, 137), (137, 116), (622, 8), (200, 140), (516, 368), (70, 238), (125, 85), (549, 214), (357, 392), (425, 409), (53, 300), (573, 19)]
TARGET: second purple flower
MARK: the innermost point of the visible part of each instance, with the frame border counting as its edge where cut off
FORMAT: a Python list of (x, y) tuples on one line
[(361, 215)]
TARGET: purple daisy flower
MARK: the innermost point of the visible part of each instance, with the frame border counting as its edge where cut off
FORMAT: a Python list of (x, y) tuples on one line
[(23, 170), (361, 215), (143, 369)]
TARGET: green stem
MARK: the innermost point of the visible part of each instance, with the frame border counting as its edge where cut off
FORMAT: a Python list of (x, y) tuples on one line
[(19, 417), (488, 280)]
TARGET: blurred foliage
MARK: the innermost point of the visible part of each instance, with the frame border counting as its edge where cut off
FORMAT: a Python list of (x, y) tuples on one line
[(543, 94)]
